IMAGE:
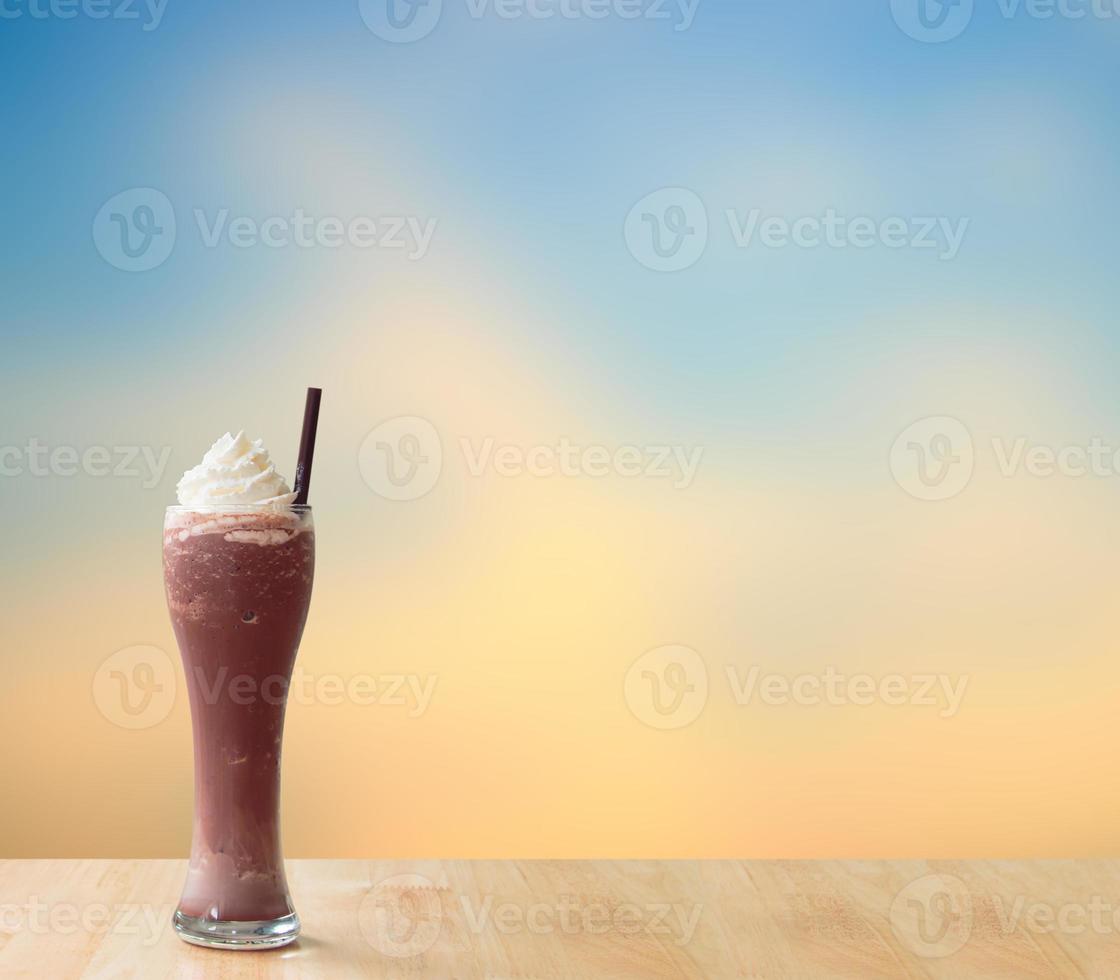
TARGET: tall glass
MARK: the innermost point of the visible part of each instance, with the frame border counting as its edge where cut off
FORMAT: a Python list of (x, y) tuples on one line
[(238, 585)]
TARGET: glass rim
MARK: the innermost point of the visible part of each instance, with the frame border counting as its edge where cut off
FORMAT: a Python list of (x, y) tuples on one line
[(238, 509)]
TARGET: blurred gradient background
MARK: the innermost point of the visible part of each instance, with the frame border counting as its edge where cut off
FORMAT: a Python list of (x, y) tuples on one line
[(528, 141)]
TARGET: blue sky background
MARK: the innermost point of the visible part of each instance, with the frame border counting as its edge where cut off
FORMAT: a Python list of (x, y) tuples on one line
[(528, 141)]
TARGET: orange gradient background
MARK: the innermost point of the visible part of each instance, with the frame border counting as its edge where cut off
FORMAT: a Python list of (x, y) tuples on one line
[(528, 599)]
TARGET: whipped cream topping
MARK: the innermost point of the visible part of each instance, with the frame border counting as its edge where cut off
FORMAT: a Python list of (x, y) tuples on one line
[(235, 473)]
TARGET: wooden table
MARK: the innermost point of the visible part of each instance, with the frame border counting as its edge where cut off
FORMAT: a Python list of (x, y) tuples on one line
[(601, 919)]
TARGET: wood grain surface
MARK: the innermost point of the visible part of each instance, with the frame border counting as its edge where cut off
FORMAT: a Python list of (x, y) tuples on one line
[(597, 919)]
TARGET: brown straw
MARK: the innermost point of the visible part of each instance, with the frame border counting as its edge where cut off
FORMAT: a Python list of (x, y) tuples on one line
[(307, 445)]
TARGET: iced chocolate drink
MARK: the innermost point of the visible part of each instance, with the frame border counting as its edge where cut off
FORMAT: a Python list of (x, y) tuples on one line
[(238, 561)]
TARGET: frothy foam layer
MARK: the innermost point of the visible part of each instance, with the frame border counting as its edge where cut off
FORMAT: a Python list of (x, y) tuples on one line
[(235, 473), (261, 526)]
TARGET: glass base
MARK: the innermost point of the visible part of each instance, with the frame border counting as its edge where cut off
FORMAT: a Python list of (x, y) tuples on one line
[(217, 934)]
